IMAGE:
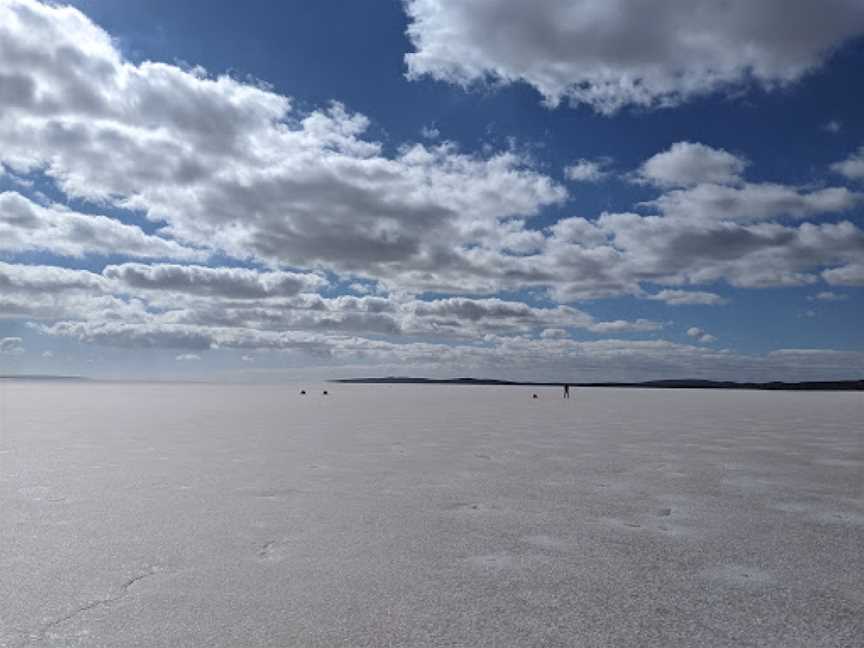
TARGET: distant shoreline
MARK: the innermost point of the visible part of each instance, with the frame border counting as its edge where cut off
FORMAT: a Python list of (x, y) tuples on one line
[(44, 378), (824, 385), (817, 385)]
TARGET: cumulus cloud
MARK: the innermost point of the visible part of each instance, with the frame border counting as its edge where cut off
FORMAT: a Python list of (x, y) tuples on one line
[(345, 314), (187, 337), (233, 283), (847, 275), (852, 167), (553, 333), (612, 53), (832, 126), (476, 317), (585, 170), (11, 345), (630, 249), (618, 326), (686, 164), (681, 297), (188, 357), (234, 167), (132, 335), (50, 292), (699, 334), (27, 226), (752, 202), (47, 279), (133, 304), (827, 295), (699, 181)]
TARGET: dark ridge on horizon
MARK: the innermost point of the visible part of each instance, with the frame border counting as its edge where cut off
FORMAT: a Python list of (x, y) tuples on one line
[(813, 385), (46, 377)]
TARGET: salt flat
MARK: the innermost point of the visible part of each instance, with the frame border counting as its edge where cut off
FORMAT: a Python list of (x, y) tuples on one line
[(391, 515)]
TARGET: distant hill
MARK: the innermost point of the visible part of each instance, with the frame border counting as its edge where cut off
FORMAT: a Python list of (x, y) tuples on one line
[(825, 385)]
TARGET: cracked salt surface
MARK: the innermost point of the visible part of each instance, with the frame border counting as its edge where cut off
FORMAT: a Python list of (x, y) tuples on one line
[(121, 591), (223, 516)]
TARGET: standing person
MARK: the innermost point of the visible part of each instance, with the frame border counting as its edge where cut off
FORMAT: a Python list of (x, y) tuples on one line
[(566, 391)]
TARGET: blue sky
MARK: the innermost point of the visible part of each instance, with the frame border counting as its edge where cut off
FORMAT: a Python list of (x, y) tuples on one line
[(566, 193)]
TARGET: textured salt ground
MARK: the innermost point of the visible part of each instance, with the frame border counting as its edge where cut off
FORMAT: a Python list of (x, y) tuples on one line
[(184, 515)]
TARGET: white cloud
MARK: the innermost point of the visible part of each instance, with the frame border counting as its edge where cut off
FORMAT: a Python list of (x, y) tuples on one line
[(132, 335), (686, 164), (47, 279), (48, 353), (27, 226), (584, 170), (827, 295), (832, 126), (675, 251), (753, 202), (11, 345), (235, 283), (183, 305), (50, 292), (463, 317), (187, 337), (847, 275), (852, 167), (41, 292), (612, 53), (700, 335), (188, 357), (619, 326), (553, 334), (681, 297), (430, 132), (232, 166)]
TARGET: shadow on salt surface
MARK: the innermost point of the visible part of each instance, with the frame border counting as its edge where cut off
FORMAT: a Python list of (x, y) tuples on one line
[(659, 526), (821, 514), (674, 474), (749, 483), (544, 541), (855, 464), (269, 493), (505, 560), (471, 507), (496, 561), (841, 517), (273, 551), (739, 576), (672, 515)]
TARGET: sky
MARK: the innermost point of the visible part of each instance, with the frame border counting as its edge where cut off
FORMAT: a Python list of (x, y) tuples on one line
[(570, 190)]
